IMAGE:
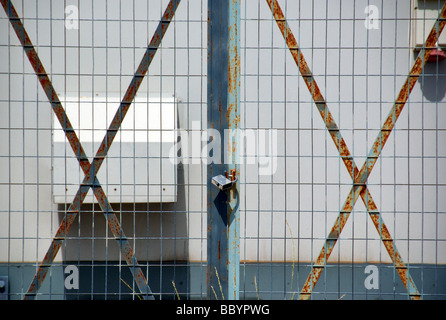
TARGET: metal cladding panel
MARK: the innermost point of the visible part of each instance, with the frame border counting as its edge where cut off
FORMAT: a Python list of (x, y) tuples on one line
[(425, 13), (339, 188), (138, 167)]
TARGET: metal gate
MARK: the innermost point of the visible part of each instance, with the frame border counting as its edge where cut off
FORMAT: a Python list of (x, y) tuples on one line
[(226, 145)]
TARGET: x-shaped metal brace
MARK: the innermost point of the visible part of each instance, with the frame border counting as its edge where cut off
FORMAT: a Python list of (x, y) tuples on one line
[(90, 169), (359, 177)]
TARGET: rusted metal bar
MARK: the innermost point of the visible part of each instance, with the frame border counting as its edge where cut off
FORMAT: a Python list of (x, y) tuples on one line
[(45, 81), (312, 87), (223, 238), (386, 238), (422, 58), (361, 188), (90, 171)]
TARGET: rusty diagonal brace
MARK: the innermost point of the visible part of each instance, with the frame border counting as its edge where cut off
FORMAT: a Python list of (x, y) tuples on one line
[(90, 170), (359, 177)]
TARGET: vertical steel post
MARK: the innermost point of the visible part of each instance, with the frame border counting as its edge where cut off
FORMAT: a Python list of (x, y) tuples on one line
[(223, 249)]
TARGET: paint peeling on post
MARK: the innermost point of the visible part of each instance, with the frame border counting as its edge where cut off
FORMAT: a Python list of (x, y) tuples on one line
[(223, 237)]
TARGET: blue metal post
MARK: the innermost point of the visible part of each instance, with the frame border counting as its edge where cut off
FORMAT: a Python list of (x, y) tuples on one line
[(223, 236)]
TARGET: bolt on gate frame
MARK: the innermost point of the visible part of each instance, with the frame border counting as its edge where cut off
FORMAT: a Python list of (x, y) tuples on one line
[(224, 113)]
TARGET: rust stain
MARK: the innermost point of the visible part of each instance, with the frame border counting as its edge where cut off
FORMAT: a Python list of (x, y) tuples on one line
[(74, 141), (377, 145), (359, 177)]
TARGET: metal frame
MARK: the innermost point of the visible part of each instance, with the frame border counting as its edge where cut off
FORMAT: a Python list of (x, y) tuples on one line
[(224, 113), (359, 177), (90, 169), (223, 235)]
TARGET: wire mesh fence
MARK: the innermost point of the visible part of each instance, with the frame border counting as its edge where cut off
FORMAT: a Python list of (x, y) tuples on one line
[(105, 147)]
